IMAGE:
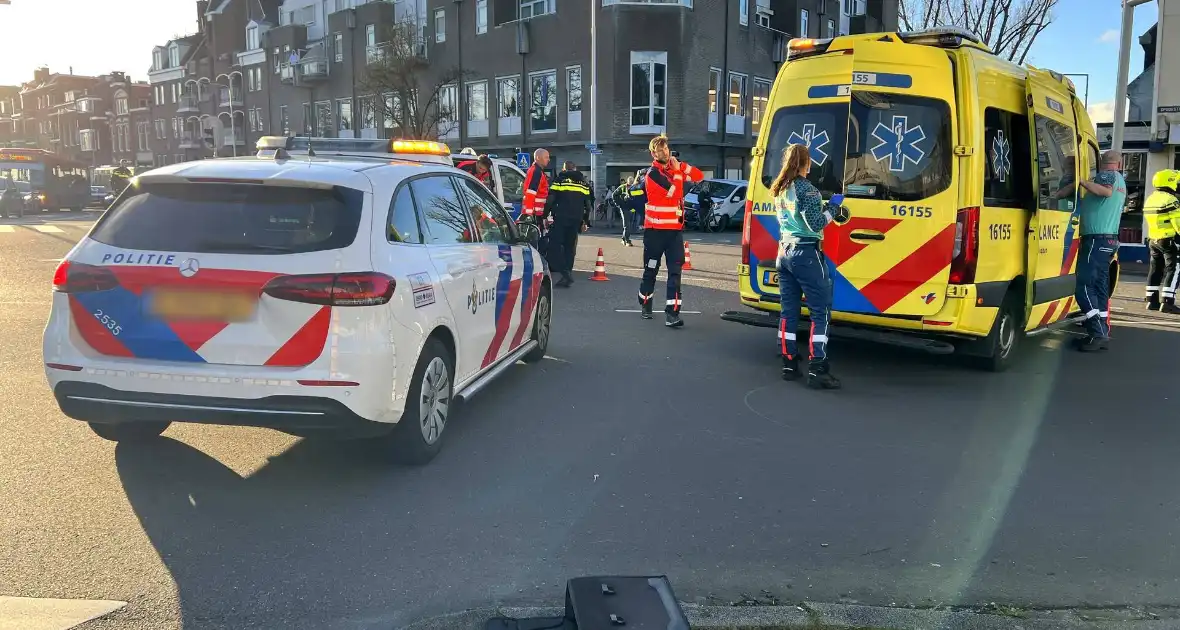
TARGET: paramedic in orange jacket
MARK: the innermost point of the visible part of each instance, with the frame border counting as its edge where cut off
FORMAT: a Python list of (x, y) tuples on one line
[(663, 222), (536, 188)]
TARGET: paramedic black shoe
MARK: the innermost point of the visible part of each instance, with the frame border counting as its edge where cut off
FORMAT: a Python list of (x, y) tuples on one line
[(645, 310), (1170, 308), (1153, 306), (565, 281), (672, 320), (791, 371), (819, 376), (1089, 344)]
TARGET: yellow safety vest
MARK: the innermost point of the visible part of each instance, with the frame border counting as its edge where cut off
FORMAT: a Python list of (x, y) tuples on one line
[(1162, 212)]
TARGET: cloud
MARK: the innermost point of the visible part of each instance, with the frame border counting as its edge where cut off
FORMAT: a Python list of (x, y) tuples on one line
[(1109, 36), (1102, 112)]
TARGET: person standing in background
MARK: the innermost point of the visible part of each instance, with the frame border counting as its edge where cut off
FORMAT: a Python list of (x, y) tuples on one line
[(663, 234), (1161, 211), (536, 188), (568, 211)]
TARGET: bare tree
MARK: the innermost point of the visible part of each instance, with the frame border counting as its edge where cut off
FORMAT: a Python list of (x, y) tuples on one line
[(422, 103), (1009, 27)]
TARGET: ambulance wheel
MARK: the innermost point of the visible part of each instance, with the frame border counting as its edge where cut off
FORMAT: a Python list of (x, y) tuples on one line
[(541, 326), (1004, 338), (128, 431), (417, 438)]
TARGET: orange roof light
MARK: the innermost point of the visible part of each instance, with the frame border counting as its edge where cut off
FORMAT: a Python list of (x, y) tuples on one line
[(801, 43), (420, 147)]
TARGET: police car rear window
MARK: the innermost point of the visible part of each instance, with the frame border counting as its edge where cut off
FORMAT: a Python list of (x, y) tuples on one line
[(232, 219)]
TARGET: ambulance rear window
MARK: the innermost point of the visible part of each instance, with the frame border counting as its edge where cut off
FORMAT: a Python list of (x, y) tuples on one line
[(881, 146), (232, 219)]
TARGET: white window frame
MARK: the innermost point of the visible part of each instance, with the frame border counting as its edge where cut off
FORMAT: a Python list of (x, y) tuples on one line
[(684, 3), (804, 23), (536, 8), (831, 28), (543, 73), (339, 115), (519, 96), (121, 106), (173, 56), (715, 86), (744, 12), (338, 47), (471, 112), (440, 18), (252, 38), (745, 92), (756, 121), (573, 117), (651, 58), (481, 17)]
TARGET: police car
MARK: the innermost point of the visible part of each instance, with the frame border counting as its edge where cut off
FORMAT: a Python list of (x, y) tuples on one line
[(324, 286)]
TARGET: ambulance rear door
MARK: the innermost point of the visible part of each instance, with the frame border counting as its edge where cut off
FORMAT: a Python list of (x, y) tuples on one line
[(1053, 237)]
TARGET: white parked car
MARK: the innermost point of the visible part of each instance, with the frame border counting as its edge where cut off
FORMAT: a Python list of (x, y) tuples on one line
[(508, 180), (729, 198), (355, 292)]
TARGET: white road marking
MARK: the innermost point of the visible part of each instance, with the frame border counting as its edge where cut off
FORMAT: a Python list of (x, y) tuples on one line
[(31, 613), (7, 228), (635, 310), (48, 229)]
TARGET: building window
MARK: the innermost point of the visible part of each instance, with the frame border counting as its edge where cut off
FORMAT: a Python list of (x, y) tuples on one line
[(338, 46), (121, 105), (803, 29), (737, 94), (276, 60), (448, 109), (573, 98), (508, 97), (481, 16), (308, 121), (142, 135), (543, 98), (157, 60), (534, 8), (714, 91), (344, 114), (284, 120), (440, 26), (744, 12), (477, 101), (649, 72), (173, 56), (252, 38), (830, 31), (254, 79), (392, 113), (761, 100), (323, 118)]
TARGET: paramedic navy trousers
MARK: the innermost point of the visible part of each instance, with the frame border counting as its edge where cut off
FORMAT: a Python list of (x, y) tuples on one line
[(803, 272), (1093, 290), (1161, 272), (668, 244)]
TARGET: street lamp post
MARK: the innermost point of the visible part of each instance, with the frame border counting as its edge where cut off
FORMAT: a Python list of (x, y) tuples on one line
[(1120, 97), (594, 92)]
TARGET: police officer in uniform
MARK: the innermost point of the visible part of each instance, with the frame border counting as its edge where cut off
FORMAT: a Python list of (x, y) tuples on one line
[(1162, 212), (802, 266), (568, 209), (663, 223)]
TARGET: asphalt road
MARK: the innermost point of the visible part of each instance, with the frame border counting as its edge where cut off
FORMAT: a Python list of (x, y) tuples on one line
[(636, 449)]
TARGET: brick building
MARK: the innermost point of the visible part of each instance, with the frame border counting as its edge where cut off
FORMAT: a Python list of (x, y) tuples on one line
[(662, 65), (9, 106)]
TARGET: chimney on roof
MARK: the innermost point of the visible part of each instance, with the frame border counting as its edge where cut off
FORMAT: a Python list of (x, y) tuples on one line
[(41, 75), (71, 69)]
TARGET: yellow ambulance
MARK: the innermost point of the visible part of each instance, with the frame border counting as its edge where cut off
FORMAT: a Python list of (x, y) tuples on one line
[(959, 169)]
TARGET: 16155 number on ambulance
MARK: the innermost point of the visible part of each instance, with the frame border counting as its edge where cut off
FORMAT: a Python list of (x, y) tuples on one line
[(960, 172)]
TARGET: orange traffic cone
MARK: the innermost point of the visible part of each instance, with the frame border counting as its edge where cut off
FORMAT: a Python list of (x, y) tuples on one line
[(599, 268), (687, 258)]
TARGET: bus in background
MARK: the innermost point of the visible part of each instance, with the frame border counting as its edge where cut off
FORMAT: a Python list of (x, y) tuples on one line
[(53, 182)]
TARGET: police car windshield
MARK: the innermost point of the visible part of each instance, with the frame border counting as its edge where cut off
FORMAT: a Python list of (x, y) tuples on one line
[(232, 218), (894, 147)]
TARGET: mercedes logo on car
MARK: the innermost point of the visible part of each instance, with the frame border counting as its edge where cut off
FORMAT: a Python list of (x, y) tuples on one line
[(189, 267)]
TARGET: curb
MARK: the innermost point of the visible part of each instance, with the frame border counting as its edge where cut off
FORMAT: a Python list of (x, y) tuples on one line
[(816, 616)]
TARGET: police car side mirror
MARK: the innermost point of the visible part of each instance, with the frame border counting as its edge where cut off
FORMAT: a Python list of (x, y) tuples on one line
[(529, 233)]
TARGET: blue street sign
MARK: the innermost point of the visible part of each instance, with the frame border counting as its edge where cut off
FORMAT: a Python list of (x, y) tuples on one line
[(591, 147), (522, 160)]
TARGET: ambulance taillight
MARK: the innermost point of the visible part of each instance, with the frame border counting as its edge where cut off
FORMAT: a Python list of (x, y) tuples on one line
[(749, 218), (965, 256)]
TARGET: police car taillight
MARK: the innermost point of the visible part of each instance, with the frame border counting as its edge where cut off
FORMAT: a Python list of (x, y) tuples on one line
[(328, 289), (966, 252), (80, 278), (749, 218)]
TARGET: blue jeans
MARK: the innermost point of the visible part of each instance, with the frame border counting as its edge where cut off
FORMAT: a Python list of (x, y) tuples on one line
[(803, 273), (1093, 289)]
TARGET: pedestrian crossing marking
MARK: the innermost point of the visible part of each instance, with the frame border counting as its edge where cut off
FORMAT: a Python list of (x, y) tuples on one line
[(7, 228), (30, 613), (48, 229)]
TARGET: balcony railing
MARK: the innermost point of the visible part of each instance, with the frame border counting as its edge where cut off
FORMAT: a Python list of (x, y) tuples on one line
[(229, 98), (232, 138), (187, 103), (287, 74), (376, 54), (314, 70), (190, 140)]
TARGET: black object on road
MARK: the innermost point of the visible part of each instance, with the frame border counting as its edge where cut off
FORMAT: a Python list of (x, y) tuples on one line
[(609, 603)]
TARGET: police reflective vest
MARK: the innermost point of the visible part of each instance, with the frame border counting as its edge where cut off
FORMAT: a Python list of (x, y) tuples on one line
[(569, 199), (637, 194), (1162, 212), (536, 192), (664, 188)]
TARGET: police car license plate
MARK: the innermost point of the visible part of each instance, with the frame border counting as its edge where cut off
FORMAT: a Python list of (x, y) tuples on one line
[(226, 307), (770, 278)]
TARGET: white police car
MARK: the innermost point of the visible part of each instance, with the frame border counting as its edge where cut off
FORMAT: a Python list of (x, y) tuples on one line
[(359, 288)]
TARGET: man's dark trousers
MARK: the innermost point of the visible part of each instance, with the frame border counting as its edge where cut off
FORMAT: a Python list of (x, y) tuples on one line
[(668, 244), (563, 243), (1093, 289)]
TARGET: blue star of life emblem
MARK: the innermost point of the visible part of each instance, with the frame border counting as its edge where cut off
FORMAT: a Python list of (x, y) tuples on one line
[(1001, 150), (815, 143), (899, 143)]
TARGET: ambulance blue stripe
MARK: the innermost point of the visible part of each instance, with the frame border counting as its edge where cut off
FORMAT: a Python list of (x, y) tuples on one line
[(144, 336), (823, 91), (903, 81), (504, 280)]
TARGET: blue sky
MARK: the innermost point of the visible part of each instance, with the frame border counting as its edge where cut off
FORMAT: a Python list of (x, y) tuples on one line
[(1083, 38)]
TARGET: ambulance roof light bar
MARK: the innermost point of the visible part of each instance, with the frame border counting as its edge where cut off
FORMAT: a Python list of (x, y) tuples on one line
[(281, 147), (805, 47), (943, 37)]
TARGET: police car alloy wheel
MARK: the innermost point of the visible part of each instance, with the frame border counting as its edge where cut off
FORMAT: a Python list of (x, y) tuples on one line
[(417, 438), (541, 327), (435, 400)]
